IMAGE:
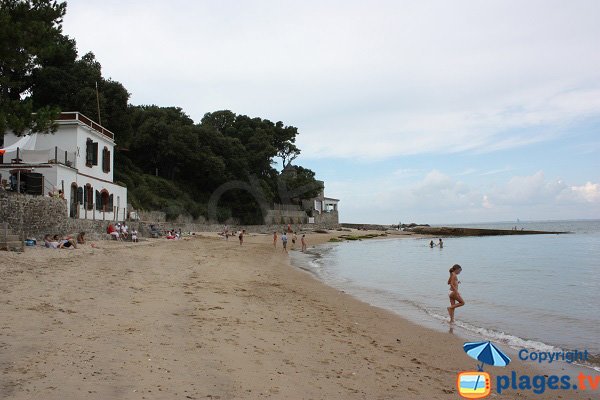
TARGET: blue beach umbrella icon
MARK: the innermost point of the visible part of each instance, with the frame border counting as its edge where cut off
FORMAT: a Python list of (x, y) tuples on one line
[(487, 353)]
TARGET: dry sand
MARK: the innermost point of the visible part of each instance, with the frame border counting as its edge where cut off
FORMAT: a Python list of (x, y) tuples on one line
[(206, 318)]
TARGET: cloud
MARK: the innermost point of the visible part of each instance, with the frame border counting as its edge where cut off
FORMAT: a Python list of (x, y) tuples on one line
[(533, 189), (439, 198), (588, 193), (361, 80)]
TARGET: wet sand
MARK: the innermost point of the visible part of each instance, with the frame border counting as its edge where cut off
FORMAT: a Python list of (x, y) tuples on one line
[(207, 318)]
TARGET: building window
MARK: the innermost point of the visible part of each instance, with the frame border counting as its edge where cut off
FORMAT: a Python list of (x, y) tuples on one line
[(91, 153), (105, 160), (104, 203), (88, 197)]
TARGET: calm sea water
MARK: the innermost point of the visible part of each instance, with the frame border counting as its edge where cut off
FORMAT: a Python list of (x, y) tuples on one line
[(536, 291)]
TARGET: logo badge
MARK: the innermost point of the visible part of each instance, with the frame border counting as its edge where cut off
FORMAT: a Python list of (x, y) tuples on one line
[(473, 385)]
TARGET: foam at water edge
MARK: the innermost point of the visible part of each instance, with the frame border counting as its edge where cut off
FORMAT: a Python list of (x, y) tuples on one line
[(512, 341)]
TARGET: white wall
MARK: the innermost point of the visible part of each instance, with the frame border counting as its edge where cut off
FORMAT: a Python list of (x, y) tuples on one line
[(64, 138), (119, 199), (83, 133), (72, 137)]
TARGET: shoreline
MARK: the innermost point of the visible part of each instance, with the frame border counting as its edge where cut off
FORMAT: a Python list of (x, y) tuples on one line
[(426, 319), (205, 318)]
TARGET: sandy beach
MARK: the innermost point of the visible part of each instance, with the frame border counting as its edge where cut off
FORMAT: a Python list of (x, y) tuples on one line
[(207, 318)]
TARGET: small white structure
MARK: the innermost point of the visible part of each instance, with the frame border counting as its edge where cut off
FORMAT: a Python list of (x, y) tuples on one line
[(323, 210), (77, 159)]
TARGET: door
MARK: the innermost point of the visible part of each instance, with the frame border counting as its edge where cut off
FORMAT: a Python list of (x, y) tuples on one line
[(74, 204)]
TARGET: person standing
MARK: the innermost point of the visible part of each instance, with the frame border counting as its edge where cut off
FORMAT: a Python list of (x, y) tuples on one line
[(303, 242), (441, 244), (455, 298), (275, 239), (241, 236), (284, 241), (294, 238)]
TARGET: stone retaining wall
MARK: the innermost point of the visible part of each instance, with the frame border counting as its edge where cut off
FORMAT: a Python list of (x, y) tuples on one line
[(36, 216)]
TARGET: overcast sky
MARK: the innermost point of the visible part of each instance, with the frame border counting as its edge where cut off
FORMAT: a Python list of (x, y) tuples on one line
[(428, 111)]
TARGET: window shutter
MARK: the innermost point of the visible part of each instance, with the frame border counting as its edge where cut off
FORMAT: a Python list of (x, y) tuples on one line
[(88, 194), (110, 203), (105, 160), (95, 153), (98, 201), (80, 195), (89, 148)]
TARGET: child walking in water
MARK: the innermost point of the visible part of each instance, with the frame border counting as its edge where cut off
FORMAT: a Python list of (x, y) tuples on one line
[(455, 298), (284, 240)]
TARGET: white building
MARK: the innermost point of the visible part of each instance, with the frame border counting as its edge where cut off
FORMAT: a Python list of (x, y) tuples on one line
[(77, 159)]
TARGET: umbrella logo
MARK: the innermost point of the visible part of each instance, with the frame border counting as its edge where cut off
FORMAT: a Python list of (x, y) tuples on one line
[(476, 384)]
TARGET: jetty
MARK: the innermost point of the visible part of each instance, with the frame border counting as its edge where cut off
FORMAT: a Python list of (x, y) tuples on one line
[(450, 231)]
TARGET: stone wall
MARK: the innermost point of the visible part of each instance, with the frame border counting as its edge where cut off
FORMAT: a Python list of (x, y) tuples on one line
[(31, 215), (275, 217), (36, 216), (157, 216), (370, 227), (327, 219)]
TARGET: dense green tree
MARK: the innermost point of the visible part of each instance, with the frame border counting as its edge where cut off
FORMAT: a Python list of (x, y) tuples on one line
[(167, 161), (297, 183), (73, 84), (29, 31)]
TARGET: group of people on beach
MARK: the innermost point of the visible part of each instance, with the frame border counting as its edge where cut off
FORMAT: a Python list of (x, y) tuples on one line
[(64, 242), (284, 240), (440, 243), (121, 232), (225, 233)]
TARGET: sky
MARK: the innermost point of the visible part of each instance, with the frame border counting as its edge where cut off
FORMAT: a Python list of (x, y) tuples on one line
[(429, 112)]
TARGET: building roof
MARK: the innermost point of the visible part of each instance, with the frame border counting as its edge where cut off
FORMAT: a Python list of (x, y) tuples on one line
[(330, 198), (74, 116)]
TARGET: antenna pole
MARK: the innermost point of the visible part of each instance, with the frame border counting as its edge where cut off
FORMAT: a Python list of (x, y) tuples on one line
[(98, 104)]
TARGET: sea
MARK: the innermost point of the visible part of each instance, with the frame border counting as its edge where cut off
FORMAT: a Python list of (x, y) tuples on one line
[(540, 292)]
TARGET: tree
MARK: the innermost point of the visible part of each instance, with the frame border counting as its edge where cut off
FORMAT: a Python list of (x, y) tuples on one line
[(70, 84), (288, 153), (297, 183), (29, 31)]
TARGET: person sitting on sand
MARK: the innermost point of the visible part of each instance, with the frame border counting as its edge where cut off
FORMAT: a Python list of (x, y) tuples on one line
[(284, 240), (50, 243), (134, 236), (303, 242), (112, 231), (81, 238), (125, 231), (455, 298), (275, 239), (65, 243)]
